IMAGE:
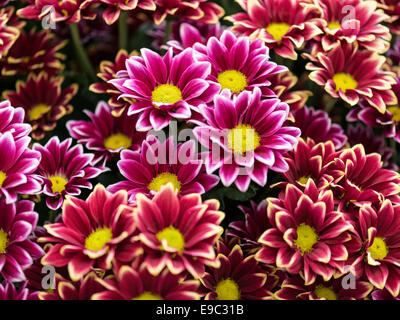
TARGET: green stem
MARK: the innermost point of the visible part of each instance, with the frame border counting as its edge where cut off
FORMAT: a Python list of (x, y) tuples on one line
[(393, 145), (80, 51), (123, 30), (168, 28)]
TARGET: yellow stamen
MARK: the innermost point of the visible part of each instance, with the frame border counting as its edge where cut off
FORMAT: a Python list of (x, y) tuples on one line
[(395, 111), (306, 238), (117, 141), (3, 177), (162, 179), (173, 237), (303, 180), (58, 183), (334, 25), (98, 239), (148, 296), (325, 292), (277, 30), (3, 241), (227, 289), (166, 93), (344, 81), (243, 138), (378, 249), (232, 80), (38, 111)]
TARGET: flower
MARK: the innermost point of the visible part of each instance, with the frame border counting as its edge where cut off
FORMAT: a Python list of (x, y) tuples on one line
[(239, 64), (17, 251), (64, 170), (383, 295), (238, 277), (17, 167), (165, 87), (70, 11), (198, 10), (351, 74), (160, 163), (392, 9), (108, 71), (8, 32), (178, 233), (295, 289), (352, 20), (308, 236), (43, 100), (12, 120), (93, 234), (9, 292), (41, 55), (377, 243), (105, 134), (82, 289), (111, 14), (281, 32), (247, 135), (138, 284), (317, 125)]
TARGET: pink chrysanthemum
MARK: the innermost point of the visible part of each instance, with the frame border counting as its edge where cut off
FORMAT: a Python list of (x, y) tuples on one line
[(12, 120), (105, 135), (64, 170), (160, 163), (282, 24), (247, 136), (350, 21), (43, 100), (138, 284), (317, 125), (95, 233), (350, 74), (17, 251), (165, 87), (111, 14), (392, 9), (8, 33), (178, 233), (308, 236), (239, 64), (9, 292)]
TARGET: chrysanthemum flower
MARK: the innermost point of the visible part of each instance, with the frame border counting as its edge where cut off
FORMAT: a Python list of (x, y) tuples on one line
[(9, 292), (383, 295), (198, 10), (237, 278), (70, 11), (12, 120), (283, 33), (82, 289), (350, 74), (8, 33), (372, 143), (111, 14), (254, 224), (295, 289), (43, 100), (239, 64), (17, 167), (160, 163), (93, 234), (392, 9), (178, 233), (17, 251), (106, 135), (317, 125), (165, 87), (308, 237), (139, 284), (108, 71), (350, 21), (64, 170), (41, 54), (378, 238), (247, 136)]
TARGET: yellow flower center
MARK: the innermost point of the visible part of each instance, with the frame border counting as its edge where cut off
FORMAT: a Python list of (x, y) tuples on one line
[(325, 292), (148, 296), (378, 249), (3, 241), (303, 180), (334, 25), (232, 80), (344, 81), (117, 141), (3, 177), (306, 238), (243, 138), (162, 179), (166, 93), (173, 237), (58, 184), (395, 111), (277, 30), (227, 289), (98, 239), (38, 111)]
